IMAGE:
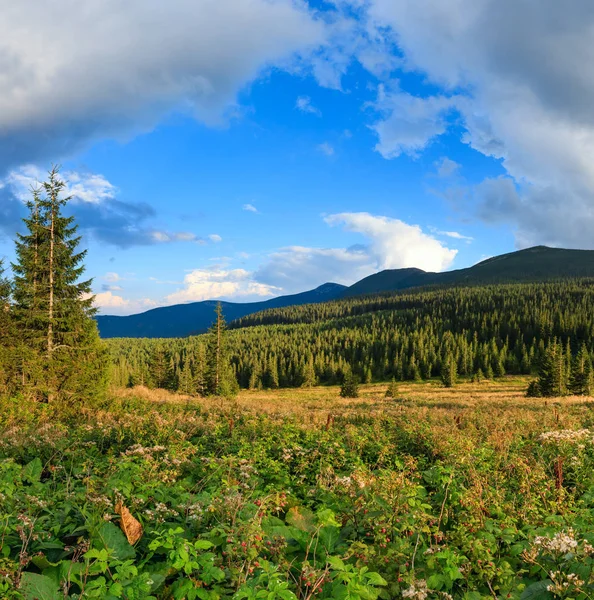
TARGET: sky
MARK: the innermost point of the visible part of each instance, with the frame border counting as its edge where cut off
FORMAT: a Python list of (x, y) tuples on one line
[(245, 149)]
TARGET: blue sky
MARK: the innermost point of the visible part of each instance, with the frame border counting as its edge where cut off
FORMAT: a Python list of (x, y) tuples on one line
[(252, 148)]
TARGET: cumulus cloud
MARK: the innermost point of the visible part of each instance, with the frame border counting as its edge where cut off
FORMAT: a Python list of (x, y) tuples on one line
[(250, 208), (113, 304), (390, 244), (304, 105), (298, 268), (98, 210), (517, 72), (73, 71), (207, 284)]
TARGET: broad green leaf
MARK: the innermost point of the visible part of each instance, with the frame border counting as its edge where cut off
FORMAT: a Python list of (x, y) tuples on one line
[(39, 587), (375, 579), (32, 471), (113, 539), (537, 591)]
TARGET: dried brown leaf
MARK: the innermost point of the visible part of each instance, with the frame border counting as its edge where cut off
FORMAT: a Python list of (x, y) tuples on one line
[(129, 525)]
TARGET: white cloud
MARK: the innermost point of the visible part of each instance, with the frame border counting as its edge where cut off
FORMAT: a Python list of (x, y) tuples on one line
[(326, 148), (89, 188), (95, 205), (304, 105), (446, 167), (298, 268), (395, 244), (391, 244), (250, 208), (455, 235), (410, 123), (113, 304), (518, 73), (73, 71), (215, 238), (206, 284), (112, 277)]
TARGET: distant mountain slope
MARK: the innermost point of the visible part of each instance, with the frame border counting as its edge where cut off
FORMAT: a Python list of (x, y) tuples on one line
[(181, 320), (533, 264)]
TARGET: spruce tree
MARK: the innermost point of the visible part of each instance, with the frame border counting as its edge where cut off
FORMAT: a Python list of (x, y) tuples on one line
[(392, 391), (580, 379), (61, 354), (350, 385), (219, 377), (552, 374), (449, 371)]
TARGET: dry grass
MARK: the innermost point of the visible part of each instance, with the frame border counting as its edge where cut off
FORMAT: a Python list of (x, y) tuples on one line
[(495, 409)]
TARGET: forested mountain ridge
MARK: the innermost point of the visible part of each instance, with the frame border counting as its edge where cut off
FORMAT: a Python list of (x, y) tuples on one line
[(181, 320), (538, 264), (484, 331)]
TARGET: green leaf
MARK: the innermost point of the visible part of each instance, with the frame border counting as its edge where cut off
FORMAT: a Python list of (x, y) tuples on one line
[(537, 591), (32, 471), (39, 587), (41, 562), (113, 539), (336, 563), (375, 579), (203, 545)]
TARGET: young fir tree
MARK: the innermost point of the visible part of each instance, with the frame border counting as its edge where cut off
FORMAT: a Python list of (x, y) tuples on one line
[(220, 380), (580, 378), (392, 391), (552, 374), (350, 385), (449, 372), (61, 354)]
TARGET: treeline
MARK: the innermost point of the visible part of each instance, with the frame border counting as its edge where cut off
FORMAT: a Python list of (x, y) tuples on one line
[(473, 332), (49, 344)]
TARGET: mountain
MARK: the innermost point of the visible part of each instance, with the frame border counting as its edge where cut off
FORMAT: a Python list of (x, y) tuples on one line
[(181, 320), (533, 264)]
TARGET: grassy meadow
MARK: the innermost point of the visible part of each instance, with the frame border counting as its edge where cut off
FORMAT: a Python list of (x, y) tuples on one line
[(471, 492)]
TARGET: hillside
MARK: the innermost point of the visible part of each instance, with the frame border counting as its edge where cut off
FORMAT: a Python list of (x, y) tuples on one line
[(531, 265), (184, 319), (536, 264)]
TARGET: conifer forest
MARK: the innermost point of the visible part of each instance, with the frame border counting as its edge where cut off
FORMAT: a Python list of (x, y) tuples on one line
[(425, 443)]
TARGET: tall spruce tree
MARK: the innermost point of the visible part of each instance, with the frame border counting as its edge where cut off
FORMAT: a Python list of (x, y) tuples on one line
[(220, 380), (61, 354), (449, 371), (580, 378), (552, 374)]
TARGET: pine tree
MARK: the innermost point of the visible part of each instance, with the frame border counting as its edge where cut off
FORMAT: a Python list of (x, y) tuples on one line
[(580, 379), (61, 354), (219, 378)]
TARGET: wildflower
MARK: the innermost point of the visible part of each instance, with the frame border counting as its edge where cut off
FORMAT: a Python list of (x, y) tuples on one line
[(417, 591), (560, 543)]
